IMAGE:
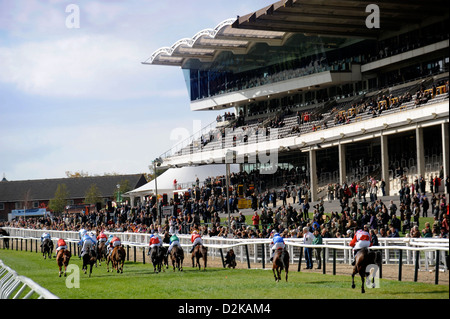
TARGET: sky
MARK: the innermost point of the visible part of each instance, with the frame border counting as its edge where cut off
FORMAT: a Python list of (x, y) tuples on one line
[(74, 95)]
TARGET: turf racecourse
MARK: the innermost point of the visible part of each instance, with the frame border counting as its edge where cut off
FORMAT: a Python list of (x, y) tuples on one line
[(140, 282)]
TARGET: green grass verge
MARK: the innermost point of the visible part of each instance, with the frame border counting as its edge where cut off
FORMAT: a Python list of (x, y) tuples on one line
[(139, 282)]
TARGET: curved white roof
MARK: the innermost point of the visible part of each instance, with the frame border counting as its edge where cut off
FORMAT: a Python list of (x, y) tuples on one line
[(206, 43)]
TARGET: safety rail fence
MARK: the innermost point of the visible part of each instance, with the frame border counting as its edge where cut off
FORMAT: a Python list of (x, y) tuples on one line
[(425, 254), (13, 286)]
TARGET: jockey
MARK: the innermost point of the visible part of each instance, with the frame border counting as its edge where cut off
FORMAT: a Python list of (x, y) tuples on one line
[(174, 241), (361, 239), (114, 242), (277, 243), (155, 241), (82, 232), (102, 237), (196, 239), (45, 236), (61, 244), (94, 238), (87, 243)]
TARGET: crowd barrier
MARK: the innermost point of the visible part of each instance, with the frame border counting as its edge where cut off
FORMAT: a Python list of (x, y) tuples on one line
[(11, 283), (424, 253)]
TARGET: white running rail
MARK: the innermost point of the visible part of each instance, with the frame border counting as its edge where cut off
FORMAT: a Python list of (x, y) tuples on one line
[(11, 283)]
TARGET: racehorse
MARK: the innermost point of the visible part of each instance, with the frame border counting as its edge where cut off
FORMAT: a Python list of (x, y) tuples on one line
[(280, 262), (62, 258), (165, 261), (5, 240), (200, 251), (89, 258), (363, 259), (117, 258), (177, 257), (102, 255), (47, 248), (157, 257)]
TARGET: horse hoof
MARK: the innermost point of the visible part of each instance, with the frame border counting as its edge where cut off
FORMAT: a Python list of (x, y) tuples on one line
[(353, 286)]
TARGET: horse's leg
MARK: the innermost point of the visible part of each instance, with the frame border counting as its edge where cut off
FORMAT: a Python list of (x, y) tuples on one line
[(287, 271), (274, 275), (363, 282), (353, 277)]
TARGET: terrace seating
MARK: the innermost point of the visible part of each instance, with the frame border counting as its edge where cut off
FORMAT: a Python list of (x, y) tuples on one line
[(320, 116)]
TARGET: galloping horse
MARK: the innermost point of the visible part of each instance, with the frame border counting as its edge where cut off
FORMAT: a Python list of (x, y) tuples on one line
[(47, 248), (157, 257), (165, 261), (177, 256), (280, 262), (200, 251), (62, 258), (363, 259), (102, 255), (5, 240), (89, 258), (117, 258)]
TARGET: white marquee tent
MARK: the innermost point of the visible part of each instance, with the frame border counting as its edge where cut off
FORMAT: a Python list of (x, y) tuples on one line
[(185, 176)]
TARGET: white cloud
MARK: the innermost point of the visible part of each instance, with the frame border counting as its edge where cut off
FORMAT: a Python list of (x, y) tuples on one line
[(95, 66)]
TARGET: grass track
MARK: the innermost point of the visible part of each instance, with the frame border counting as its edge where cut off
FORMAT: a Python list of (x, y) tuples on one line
[(139, 282)]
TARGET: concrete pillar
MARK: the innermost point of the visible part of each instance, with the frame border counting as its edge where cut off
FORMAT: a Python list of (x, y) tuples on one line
[(420, 150), (385, 163), (313, 184), (445, 150), (342, 164)]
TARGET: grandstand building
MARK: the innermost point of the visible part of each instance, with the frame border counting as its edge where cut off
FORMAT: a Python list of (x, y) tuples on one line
[(310, 91)]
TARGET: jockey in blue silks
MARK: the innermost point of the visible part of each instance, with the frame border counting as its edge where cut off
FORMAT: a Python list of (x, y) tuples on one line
[(45, 236), (277, 243), (87, 243)]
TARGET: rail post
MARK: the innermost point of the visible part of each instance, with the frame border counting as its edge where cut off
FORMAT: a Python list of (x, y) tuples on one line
[(300, 259), (221, 256), (324, 263), (334, 261), (416, 265), (436, 273), (400, 262), (381, 264), (263, 256), (248, 258)]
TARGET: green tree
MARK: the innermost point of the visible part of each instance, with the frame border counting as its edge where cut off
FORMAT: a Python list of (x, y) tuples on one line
[(124, 186), (93, 195), (58, 202)]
